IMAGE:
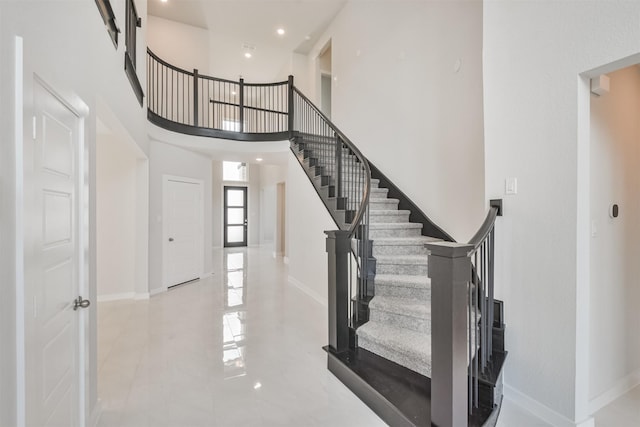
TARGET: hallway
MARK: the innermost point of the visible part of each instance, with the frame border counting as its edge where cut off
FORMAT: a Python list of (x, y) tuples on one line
[(239, 348)]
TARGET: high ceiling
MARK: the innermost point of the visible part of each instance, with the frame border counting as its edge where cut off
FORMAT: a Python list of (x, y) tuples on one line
[(234, 23)]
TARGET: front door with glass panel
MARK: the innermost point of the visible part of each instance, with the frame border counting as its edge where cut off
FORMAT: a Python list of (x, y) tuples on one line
[(235, 216)]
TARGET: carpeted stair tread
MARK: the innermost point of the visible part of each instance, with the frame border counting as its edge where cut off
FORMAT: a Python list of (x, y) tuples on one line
[(399, 241), (385, 200), (402, 306), (402, 259), (403, 346), (396, 225), (391, 211), (404, 280)]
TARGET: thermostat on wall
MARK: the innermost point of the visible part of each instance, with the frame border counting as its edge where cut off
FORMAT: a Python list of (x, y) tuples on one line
[(614, 211)]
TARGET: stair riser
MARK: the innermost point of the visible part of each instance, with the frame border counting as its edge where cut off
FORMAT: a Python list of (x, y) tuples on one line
[(407, 322), (393, 232), (388, 218), (379, 195), (385, 204), (408, 269), (352, 186), (420, 365), (421, 294), (399, 250)]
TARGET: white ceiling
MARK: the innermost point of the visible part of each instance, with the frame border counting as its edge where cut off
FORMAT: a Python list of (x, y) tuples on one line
[(233, 23)]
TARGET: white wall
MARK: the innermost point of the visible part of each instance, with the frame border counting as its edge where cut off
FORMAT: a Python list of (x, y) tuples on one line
[(165, 159), (254, 205), (307, 220), (536, 109), (9, 224), (217, 202), (182, 45), (116, 182), (270, 176), (397, 96), (615, 249), (65, 43)]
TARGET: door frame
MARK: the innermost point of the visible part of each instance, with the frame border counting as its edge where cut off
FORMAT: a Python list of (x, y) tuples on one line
[(165, 231), (244, 243), (26, 82)]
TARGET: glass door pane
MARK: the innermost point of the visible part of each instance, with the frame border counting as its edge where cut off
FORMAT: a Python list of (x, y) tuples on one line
[(235, 216), (235, 234), (235, 198)]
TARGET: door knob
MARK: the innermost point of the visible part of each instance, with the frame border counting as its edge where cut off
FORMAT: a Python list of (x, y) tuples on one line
[(81, 303), (171, 239)]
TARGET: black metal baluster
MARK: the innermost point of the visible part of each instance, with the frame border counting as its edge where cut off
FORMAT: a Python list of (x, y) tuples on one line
[(491, 289)]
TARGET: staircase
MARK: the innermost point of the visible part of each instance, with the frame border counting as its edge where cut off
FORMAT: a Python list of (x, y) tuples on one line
[(380, 293), (394, 326), (399, 326)]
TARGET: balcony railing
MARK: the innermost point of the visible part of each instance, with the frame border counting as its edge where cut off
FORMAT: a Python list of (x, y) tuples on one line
[(188, 102)]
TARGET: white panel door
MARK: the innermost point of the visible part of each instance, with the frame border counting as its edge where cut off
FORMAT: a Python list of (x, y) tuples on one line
[(183, 220), (52, 263)]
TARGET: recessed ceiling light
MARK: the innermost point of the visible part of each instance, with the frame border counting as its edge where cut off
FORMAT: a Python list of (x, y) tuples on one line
[(280, 31), (258, 159), (164, 1), (247, 55)]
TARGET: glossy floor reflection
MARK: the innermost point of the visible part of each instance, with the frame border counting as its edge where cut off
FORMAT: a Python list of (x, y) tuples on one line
[(241, 348)]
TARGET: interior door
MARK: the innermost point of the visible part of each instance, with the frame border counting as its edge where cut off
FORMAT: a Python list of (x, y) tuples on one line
[(52, 263), (235, 216), (184, 250)]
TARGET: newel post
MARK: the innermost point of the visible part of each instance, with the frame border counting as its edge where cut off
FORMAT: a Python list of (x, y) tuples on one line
[(338, 249), (450, 271), (241, 90)]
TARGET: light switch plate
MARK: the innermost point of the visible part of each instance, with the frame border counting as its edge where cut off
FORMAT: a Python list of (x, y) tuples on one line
[(511, 186)]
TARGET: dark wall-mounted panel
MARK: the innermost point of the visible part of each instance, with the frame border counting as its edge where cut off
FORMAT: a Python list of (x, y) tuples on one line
[(109, 18), (133, 78), (133, 22)]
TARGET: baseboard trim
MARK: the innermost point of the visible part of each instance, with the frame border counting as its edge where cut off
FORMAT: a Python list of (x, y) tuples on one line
[(153, 292), (142, 296), (620, 388), (204, 275), (540, 410), (116, 297), (307, 290)]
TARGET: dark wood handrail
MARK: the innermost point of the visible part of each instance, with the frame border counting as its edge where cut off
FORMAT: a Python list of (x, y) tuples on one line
[(489, 223), (166, 64)]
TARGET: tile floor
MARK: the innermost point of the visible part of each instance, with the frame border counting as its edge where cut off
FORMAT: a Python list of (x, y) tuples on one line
[(623, 412), (240, 348)]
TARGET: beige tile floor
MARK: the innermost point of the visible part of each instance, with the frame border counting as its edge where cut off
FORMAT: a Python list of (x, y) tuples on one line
[(623, 412), (240, 348)]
